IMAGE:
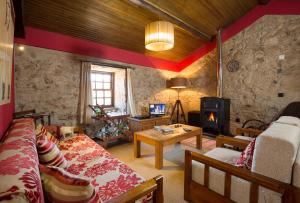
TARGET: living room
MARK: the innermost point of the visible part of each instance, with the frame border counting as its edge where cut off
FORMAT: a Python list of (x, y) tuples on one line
[(137, 92)]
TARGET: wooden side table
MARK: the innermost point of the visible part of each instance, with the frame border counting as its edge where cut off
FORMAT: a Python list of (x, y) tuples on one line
[(114, 120), (34, 115), (159, 140)]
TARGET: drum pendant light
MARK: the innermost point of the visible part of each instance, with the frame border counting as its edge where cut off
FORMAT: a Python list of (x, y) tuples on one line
[(159, 36)]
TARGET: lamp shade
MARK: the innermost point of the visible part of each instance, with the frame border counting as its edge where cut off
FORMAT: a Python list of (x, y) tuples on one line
[(177, 83), (159, 36)]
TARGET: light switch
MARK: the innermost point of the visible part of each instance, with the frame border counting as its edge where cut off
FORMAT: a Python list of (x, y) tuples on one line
[(281, 57)]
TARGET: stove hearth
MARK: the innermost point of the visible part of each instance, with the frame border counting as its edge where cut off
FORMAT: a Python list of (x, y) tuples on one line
[(215, 114)]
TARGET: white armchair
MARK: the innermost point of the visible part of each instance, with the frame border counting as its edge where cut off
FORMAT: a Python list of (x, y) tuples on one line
[(213, 177)]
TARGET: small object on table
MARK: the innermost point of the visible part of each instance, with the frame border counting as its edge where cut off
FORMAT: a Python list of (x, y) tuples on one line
[(187, 129), (164, 129)]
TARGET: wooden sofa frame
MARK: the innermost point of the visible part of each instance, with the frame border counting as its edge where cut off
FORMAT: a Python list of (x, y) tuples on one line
[(195, 192), (154, 185)]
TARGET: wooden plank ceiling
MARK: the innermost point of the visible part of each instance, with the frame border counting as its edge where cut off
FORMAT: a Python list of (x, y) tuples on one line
[(121, 23)]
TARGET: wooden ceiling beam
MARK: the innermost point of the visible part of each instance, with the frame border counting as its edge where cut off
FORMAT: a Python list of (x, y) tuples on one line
[(172, 18)]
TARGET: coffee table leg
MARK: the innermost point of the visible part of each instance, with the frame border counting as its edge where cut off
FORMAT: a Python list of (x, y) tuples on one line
[(158, 155), (137, 147), (199, 141)]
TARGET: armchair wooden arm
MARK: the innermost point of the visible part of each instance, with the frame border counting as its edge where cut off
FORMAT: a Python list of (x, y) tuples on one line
[(191, 188), (235, 142), (248, 131), (154, 185)]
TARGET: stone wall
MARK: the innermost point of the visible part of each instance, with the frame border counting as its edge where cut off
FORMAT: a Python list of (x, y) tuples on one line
[(149, 86), (48, 81), (254, 88)]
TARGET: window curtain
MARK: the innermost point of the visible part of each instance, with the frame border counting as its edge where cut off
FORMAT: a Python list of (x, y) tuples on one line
[(131, 104), (85, 96)]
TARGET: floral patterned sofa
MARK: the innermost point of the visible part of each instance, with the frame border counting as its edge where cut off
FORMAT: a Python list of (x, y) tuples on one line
[(113, 180)]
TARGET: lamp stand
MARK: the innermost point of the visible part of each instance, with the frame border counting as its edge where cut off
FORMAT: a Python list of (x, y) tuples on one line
[(178, 107)]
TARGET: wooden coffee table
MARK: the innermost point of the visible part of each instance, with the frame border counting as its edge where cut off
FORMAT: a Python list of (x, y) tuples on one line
[(159, 140)]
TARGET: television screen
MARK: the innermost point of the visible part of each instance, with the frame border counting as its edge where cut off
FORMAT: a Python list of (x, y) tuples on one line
[(157, 109)]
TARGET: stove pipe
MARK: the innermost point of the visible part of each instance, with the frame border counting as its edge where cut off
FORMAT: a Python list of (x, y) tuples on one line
[(219, 65)]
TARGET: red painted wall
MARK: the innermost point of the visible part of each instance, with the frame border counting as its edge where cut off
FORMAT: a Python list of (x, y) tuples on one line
[(55, 41), (7, 110)]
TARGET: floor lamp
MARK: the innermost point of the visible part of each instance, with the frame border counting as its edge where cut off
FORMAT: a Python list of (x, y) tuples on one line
[(177, 83)]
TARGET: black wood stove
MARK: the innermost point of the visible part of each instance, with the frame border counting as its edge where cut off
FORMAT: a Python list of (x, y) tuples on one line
[(214, 115)]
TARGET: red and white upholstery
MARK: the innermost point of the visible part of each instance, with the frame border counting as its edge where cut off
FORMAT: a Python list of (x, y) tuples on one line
[(62, 186), (20, 179), (108, 175), (19, 172)]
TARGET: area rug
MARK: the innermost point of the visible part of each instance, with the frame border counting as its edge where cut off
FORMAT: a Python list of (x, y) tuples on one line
[(207, 143)]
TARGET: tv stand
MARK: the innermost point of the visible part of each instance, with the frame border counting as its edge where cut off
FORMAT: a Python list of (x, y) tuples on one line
[(136, 124)]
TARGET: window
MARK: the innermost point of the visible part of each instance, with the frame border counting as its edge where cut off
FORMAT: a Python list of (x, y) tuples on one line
[(103, 88)]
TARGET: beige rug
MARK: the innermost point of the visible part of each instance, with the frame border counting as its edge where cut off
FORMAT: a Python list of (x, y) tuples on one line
[(172, 171)]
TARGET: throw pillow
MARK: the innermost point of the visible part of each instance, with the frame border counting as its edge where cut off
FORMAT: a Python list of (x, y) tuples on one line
[(41, 131), (49, 154), (245, 160), (62, 186), (66, 131)]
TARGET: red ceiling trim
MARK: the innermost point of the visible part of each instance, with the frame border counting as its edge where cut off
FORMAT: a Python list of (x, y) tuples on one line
[(55, 41), (289, 7), (44, 39)]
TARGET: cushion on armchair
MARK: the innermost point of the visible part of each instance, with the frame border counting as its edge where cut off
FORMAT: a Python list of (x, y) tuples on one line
[(275, 151), (289, 120), (296, 171), (245, 160), (215, 176), (240, 189)]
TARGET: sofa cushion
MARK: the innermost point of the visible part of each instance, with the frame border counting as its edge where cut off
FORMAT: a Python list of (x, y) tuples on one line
[(108, 175), (61, 186), (275, 151), (240, 189), (296, 171), (289, 120), (221, 154), (245, 160), (244, 137), (41, 131), (19, 173), (49, 153)]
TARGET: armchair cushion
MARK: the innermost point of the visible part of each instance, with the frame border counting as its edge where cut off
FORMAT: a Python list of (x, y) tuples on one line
[(275, 151), (240, 189), (289, 120), (296, 171), (244, 137)]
